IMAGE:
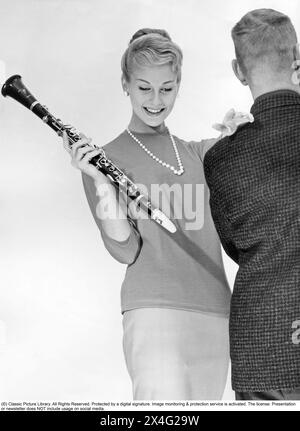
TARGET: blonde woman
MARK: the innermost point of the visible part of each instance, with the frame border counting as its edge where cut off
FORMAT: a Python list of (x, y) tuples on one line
[(175, 297)]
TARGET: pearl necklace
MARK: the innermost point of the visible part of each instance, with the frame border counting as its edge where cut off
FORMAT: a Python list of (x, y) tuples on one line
[(179, 171)]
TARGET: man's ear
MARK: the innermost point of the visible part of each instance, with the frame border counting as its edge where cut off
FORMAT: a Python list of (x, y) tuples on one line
[(296, 65), (238, 72), (296, 56), (296, 51)]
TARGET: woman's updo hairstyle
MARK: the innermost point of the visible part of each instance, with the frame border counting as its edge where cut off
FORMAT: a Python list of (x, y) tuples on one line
[(149, 47)]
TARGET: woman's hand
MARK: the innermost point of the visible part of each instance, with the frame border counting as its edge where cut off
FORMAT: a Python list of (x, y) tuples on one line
[(81, 153), (231, 121)]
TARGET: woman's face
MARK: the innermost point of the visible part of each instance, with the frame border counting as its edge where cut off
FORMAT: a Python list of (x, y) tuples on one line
[(152, 91)]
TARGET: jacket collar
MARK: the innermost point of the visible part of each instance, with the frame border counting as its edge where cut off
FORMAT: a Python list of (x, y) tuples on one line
[(275, 99)]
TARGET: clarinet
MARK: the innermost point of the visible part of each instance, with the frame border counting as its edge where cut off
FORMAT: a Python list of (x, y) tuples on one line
[(15, 88)]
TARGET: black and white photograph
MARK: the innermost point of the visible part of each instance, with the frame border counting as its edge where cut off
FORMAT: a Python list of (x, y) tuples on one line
[(150, 205)]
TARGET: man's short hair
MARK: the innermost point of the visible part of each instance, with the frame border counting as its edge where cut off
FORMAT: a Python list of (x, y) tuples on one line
[(264, 36)]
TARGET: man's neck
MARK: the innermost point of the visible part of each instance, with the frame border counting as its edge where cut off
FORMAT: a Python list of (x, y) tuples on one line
[(260, 91), (258, 88)]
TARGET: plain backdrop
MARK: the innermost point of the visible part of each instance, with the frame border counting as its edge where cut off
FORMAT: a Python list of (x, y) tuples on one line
[(60, 320)]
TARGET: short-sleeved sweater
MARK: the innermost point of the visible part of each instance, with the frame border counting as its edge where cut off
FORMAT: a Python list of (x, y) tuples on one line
[(183, 270)]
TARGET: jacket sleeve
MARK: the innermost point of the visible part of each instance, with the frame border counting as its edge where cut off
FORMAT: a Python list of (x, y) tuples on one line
[(123, 251), (224, 229)]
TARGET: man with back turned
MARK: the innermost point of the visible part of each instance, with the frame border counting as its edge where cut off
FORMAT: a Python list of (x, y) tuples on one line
[(254, 181)]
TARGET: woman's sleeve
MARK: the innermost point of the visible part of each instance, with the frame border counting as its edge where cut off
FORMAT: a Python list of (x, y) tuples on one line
[(201, 147), (123, 251)]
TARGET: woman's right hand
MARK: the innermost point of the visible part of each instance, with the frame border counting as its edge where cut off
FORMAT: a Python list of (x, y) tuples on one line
[(81, 153), (110, 216)]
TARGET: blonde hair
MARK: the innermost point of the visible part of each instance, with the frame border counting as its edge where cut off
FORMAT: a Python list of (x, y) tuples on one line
[(264, 35), (151, 47)]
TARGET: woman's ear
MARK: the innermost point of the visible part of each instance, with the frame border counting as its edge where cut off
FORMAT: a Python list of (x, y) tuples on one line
[(178, 88), (238, 72), (124, 85)]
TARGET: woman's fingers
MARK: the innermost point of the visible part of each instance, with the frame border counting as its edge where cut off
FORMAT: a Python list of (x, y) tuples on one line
[(93, 153), (219, 127), (81, 152), (81, 144), (243, 117), (229, 115), (72, 149), (82, 162)]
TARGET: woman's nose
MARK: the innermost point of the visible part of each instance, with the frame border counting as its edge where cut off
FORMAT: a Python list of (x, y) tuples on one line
[(156, 99)]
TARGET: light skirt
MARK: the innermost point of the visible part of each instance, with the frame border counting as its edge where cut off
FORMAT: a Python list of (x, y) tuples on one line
[(176, 354)]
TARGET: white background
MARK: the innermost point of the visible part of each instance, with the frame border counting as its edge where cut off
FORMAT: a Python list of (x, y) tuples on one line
[(60, 321)]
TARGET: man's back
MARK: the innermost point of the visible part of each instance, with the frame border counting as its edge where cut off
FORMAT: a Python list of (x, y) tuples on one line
[(254, 180)]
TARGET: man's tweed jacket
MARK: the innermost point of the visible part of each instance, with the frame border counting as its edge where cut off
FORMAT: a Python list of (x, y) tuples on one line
[(254, 181)]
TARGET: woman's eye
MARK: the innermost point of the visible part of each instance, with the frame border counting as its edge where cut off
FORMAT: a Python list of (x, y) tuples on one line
[(166, 90), (144, 88)]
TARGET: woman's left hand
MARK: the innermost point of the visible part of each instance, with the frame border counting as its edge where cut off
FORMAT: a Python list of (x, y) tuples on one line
[(231, 121)]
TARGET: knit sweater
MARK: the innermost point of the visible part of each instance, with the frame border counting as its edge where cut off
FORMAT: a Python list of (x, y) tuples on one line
[(183, 270), (254, 182)]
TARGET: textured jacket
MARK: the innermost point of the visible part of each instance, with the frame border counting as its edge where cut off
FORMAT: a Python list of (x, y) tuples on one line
[(254, 181)]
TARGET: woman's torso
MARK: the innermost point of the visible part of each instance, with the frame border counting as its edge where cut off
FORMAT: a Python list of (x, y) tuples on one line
[(183, 270)]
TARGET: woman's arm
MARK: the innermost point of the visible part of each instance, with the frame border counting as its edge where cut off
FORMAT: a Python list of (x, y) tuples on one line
[(120, 236)]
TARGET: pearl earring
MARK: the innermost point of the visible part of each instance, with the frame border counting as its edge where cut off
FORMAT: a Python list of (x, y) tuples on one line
[(126, 93)]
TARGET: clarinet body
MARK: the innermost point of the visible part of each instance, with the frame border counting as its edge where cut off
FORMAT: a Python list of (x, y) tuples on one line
[(15, 88)]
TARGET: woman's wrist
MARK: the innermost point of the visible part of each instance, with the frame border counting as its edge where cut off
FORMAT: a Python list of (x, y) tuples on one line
[(101, 179)]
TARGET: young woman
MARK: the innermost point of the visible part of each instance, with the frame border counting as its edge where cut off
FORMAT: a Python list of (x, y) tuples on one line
[(175, 297)]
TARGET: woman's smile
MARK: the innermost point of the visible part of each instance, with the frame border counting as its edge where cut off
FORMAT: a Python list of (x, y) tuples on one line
[(153, 112)]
